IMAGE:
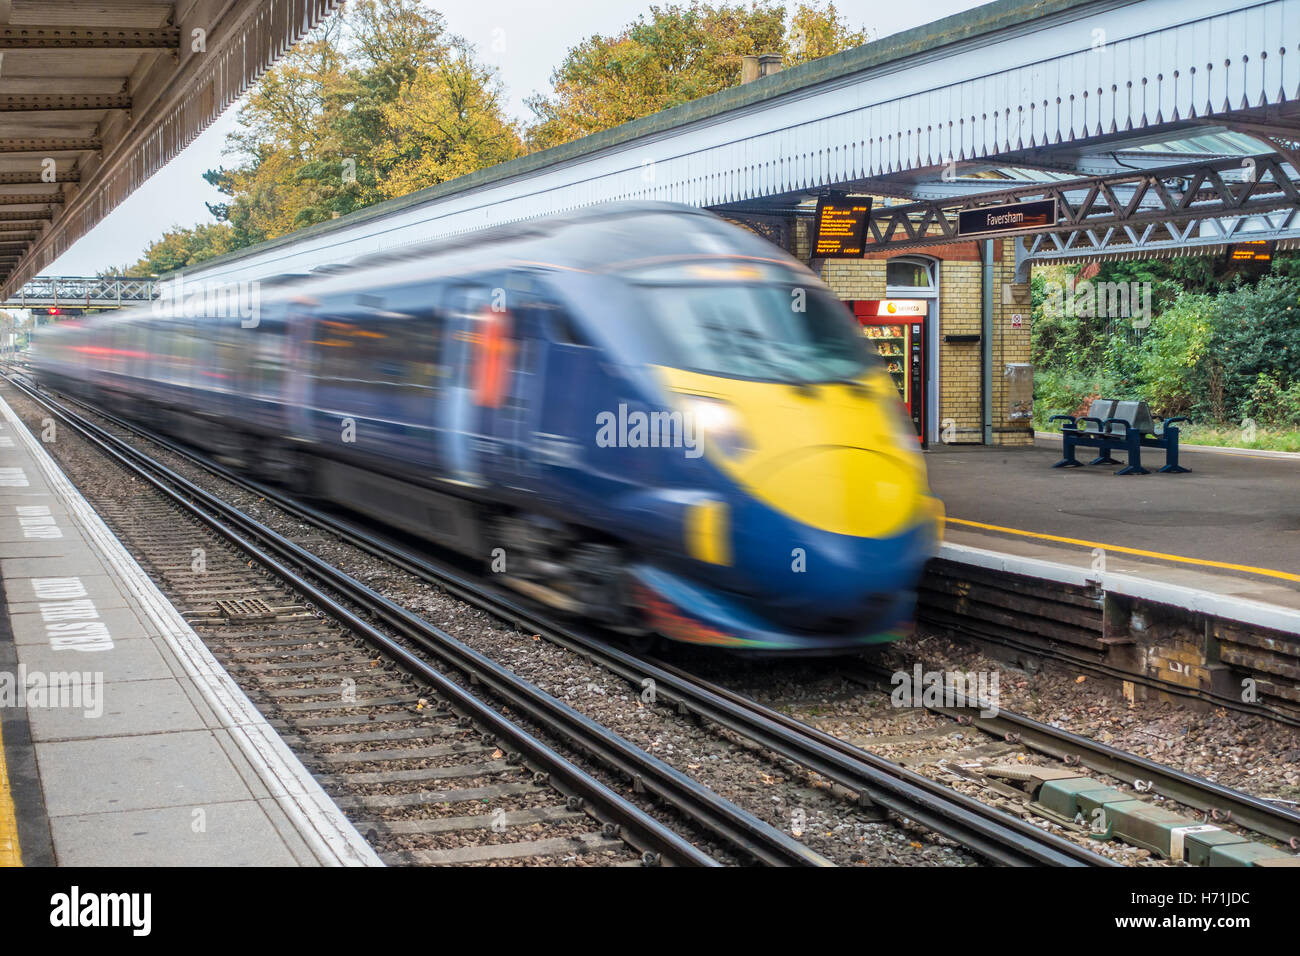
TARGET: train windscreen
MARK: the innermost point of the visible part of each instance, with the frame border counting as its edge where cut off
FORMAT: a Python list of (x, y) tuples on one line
[(767, 331)]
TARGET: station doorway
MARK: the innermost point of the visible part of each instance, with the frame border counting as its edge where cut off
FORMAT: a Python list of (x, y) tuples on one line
[(903, 330)]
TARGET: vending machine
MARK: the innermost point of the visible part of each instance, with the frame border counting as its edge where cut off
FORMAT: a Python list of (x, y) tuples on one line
[(895, 329)]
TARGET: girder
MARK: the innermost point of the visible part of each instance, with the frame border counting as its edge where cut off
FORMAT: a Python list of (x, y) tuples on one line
[(37, 176), (1211, 237), (1134, 205), (47, 102), (87, 38), (32, 199), (46, 145)]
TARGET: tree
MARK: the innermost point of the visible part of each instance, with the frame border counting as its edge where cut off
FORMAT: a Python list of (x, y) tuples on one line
[(286, 137), (816, 33), (179, 249), (672, 56), (446, 123), (379, 101)]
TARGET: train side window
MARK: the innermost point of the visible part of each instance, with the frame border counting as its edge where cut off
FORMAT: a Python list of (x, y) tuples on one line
[(266, 365), (183, 351), (558, 325)]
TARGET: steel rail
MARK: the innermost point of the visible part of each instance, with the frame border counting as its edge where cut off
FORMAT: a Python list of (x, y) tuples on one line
[(723, 819), (993, 834), (1222, 803), (336, 523)]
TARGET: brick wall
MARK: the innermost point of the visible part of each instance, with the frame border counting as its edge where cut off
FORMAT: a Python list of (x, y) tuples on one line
[(960, 305), (1010, 344), (960, 302)]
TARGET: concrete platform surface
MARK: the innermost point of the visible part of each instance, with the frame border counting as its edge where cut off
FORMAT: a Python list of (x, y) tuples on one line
[(1231, 526), (124, 741)]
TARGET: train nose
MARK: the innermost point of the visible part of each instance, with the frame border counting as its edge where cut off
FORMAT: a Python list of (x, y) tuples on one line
[(844, 490)]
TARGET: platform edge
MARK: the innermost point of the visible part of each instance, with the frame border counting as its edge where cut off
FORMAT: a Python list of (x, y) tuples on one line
[(315, 816)]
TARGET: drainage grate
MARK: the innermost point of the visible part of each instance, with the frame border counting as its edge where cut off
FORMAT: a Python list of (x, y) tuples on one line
[(247, 609)]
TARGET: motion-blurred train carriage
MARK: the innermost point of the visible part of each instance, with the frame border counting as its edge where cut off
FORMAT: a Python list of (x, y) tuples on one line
[(645, 414)]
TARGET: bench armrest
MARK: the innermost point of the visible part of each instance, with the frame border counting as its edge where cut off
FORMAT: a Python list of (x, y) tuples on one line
[(1069, 419), (1120, 421), (1166, 423), (1101, 426)]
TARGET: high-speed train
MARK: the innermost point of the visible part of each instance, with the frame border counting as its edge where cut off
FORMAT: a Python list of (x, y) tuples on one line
[(638, 413)]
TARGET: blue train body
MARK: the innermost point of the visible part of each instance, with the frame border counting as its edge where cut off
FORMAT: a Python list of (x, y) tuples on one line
[(639, 413)]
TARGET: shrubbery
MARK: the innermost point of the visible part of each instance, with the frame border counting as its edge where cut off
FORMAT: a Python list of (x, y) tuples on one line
[(1068, 392), (1218, 357), (1271, 404)]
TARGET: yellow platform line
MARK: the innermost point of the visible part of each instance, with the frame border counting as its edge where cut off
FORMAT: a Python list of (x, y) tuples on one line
[(10, 853), (1267, 572)]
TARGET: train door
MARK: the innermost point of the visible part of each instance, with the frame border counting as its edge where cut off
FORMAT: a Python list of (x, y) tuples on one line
[(575, 390), (513, 419), (488, 407), (297, 394), (469, 386)]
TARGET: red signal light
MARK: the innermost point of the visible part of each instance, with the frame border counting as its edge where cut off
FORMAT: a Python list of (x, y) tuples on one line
[(56, 312)]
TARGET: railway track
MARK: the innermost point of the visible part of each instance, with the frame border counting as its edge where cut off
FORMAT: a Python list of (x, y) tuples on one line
[(361, 704), (992, 834), (369, 729), (1218, 802)]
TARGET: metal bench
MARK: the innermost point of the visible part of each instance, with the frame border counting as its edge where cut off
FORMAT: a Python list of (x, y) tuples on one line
[(1119, 426)]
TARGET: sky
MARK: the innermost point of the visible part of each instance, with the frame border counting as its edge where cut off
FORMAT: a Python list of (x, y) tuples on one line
[(524, 39)]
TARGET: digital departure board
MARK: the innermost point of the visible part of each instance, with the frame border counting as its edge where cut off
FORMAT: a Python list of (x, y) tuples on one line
[(841, 229), (1257, 252), (1006, 218)]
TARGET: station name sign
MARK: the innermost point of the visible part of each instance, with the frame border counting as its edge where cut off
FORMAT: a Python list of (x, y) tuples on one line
[(1011, 217), (841, 229)]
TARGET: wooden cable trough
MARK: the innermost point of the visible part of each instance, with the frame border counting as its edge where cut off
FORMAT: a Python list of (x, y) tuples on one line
[(1152, 643)]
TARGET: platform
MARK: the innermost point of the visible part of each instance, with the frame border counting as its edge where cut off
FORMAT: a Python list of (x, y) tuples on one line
[(140, 750), (1230, 527)]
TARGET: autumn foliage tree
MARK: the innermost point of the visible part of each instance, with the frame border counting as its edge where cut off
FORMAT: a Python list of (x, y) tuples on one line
[(382, 100), (379, 101), (446, 123), (673, 55), (179, 249)]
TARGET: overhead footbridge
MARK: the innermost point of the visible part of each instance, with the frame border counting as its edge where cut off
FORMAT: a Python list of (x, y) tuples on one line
[(82, 292)]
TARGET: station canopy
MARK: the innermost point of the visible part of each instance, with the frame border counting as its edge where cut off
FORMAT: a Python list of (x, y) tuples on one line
[(96, 96), (1137, 197)]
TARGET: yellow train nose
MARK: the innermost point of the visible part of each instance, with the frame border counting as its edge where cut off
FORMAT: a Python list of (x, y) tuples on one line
[(844, 490), (829, 456)]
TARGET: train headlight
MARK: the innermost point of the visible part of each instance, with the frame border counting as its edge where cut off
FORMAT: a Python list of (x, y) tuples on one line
[(716, 422)]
